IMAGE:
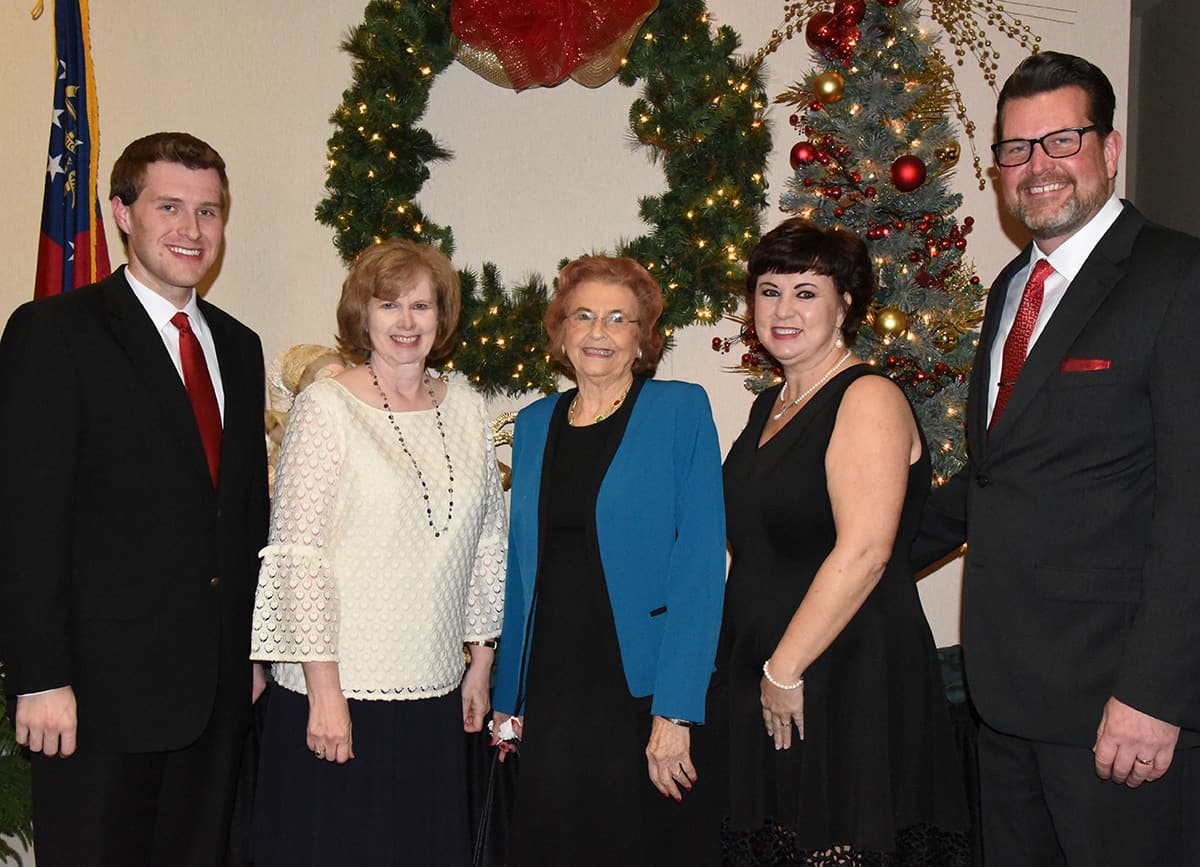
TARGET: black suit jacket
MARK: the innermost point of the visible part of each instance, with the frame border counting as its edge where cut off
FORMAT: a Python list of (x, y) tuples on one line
[(123, 573), (1080, 508)]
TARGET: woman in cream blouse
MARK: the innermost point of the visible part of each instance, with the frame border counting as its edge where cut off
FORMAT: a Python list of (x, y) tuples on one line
[(387, 551)]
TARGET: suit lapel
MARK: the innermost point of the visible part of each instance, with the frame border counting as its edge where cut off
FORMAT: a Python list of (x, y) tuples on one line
[(1102, 271), (135, 333)]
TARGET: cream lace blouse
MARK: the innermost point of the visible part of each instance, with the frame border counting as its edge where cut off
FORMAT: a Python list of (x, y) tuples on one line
[(353, 572)]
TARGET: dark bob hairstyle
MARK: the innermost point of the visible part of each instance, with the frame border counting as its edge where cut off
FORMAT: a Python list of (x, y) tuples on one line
[(797, 245)]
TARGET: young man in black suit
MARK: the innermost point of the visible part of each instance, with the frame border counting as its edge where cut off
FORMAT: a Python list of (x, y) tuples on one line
[(1081, 586), (134, 507)]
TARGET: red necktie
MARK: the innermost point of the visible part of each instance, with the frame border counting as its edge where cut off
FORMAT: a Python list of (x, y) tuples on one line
[(200, 389), (1016, 346)]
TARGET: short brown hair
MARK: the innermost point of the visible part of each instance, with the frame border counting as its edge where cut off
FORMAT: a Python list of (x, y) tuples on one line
[(129, 171), (1048, 71), (616, 271), (797, 245), (386, 271)]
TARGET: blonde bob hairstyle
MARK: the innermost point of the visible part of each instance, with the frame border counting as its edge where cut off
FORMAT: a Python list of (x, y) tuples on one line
[(386, 271), (615, 271)]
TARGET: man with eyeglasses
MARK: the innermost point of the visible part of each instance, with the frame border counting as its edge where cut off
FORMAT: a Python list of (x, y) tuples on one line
[(1081, 595)]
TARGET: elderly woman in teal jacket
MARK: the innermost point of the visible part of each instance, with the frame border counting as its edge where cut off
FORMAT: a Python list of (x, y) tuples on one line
[(615, 583)]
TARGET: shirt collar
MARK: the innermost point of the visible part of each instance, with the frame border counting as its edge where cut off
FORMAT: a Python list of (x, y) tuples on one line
[(1068, 259), (159, 309)]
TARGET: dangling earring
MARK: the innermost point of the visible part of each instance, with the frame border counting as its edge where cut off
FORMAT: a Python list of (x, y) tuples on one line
[(639, 353), (838, 342), (564, 347)]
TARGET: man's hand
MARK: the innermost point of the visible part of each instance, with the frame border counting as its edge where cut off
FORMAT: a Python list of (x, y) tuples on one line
[(1133, 747), (46, 722)]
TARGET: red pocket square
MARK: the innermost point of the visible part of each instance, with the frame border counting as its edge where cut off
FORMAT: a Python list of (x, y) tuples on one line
[(1077, 365)]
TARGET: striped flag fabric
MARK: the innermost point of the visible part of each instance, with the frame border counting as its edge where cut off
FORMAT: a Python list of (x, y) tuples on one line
[(71, 250)]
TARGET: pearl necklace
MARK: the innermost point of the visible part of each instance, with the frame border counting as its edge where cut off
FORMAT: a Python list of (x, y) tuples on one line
[(602, 416), (437, 414), (820, 382)]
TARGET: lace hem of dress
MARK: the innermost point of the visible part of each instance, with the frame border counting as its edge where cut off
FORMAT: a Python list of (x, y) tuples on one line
[(773, 845)]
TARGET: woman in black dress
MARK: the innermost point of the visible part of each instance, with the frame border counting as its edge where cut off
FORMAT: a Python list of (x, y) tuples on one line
[(615, 578), (828, 695)]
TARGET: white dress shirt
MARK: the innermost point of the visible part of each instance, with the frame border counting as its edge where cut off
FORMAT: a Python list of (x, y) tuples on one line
[(1067, 261), (160, 311)]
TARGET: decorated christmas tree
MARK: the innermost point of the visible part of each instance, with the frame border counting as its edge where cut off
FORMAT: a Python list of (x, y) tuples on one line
[(875, 147)]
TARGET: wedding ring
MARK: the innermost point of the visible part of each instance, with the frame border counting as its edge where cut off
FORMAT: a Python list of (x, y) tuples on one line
[(318, 754), (1144, 761)]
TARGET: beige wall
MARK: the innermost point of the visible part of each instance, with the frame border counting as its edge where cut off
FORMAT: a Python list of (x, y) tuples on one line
[(539, 175)]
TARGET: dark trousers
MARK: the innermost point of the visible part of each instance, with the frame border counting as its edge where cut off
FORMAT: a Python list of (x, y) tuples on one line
[(1043, 806), (155, 809)]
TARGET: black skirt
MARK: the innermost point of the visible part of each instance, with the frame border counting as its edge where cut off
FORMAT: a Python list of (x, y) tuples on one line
[(401, 800)]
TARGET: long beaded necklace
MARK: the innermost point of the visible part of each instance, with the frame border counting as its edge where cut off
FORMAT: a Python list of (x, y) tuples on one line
[(602, 416), (820, 382), (437, 414)]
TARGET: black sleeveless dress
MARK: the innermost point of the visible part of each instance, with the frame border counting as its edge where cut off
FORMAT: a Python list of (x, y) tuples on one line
[(876, 780)]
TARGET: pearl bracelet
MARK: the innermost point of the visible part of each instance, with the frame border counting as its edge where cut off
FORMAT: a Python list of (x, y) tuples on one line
[(777, 684)]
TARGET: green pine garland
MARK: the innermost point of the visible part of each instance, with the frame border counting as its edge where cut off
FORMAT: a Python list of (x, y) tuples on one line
[(16, 812), (699, 115)]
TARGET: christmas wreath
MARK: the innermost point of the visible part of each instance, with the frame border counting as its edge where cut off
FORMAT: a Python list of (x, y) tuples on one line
[(699, 115)]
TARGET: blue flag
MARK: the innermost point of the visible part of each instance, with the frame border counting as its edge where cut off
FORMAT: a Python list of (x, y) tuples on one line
[(71, 251)]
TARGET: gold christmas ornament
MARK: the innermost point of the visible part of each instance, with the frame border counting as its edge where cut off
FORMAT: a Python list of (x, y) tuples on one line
[(890, 322), (948, 154), (945, 337), (828, 87)]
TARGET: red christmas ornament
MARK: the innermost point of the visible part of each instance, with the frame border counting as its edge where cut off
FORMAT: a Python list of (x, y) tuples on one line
[(908, 173), (850, 11), (793, 119), (802, 153), (821, 31), (870, 192)]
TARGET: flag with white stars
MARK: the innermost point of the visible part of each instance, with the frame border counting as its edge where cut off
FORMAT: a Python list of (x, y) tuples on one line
[(71, 251)]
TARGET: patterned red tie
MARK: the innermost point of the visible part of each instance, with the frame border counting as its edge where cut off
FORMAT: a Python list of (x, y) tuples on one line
[(200, 389), (1016, 346)]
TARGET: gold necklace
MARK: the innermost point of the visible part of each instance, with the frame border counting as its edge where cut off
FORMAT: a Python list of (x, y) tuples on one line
[(602, 416), (820, 382)]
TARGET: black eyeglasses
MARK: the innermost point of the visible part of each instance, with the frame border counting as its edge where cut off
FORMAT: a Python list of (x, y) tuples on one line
[(1057, 145)]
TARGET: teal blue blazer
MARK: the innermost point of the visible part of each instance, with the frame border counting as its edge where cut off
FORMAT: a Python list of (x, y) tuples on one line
[(660, 524)]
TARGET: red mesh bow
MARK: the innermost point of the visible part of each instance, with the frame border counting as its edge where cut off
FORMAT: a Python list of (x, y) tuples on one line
[(535, 43)]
